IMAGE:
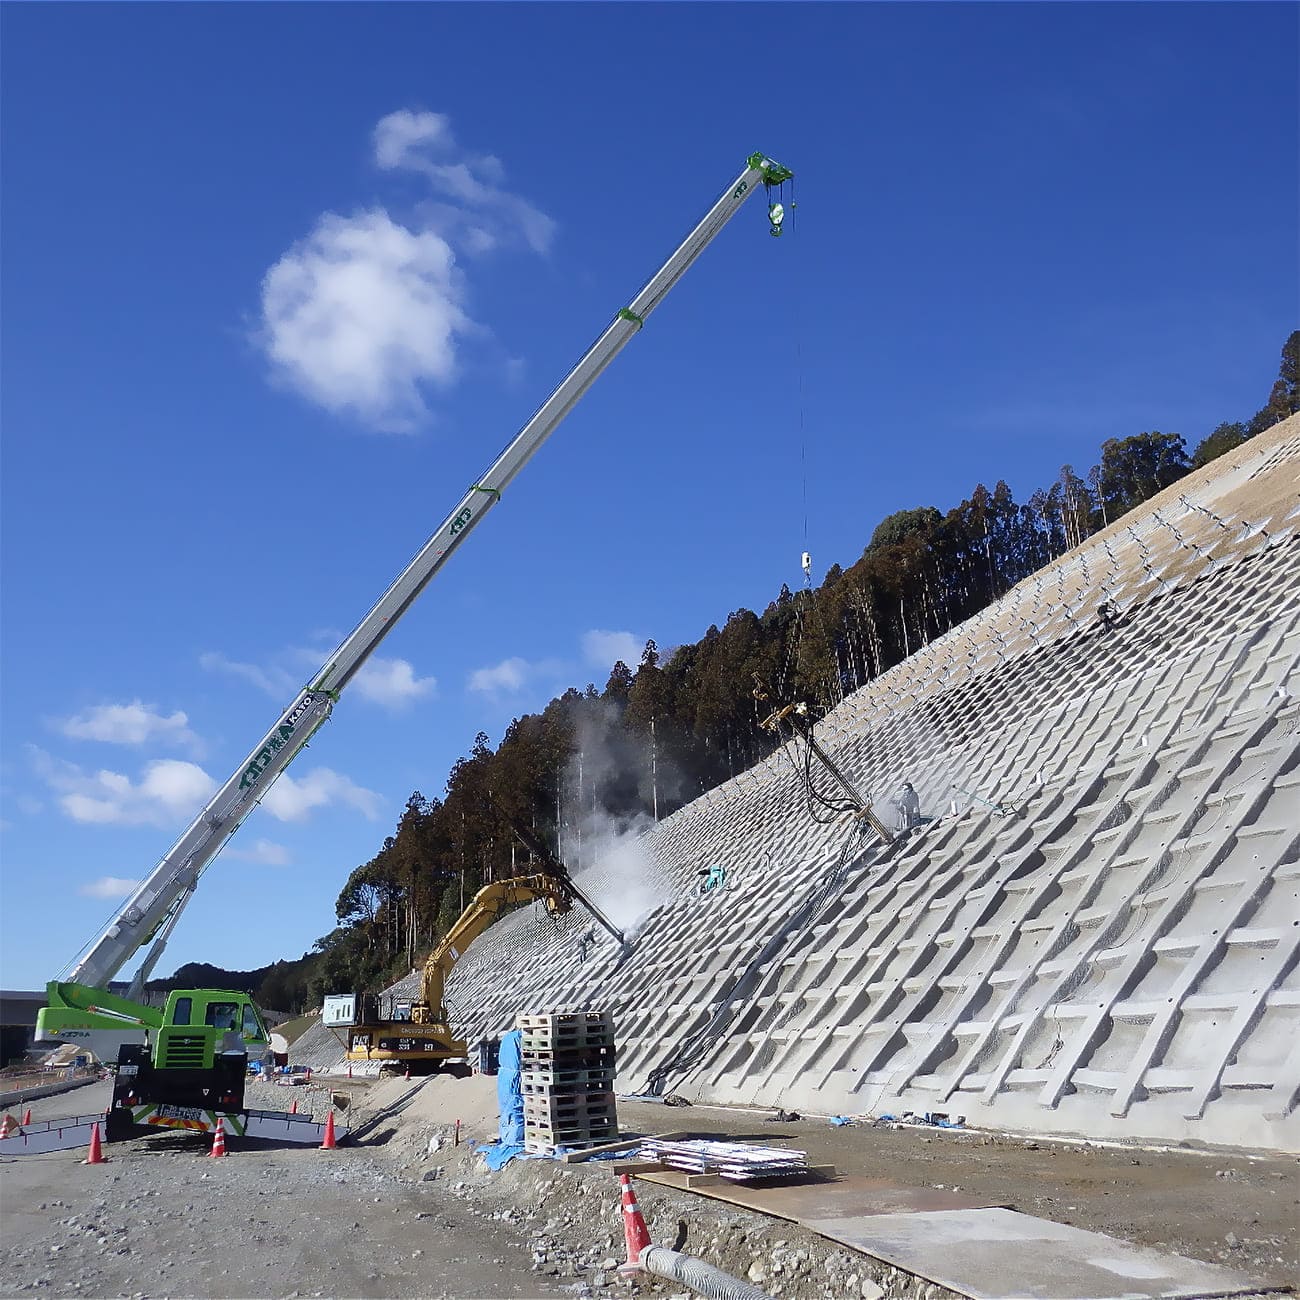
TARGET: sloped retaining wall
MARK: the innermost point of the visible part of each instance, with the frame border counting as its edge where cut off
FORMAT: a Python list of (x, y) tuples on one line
[(1098, 929)]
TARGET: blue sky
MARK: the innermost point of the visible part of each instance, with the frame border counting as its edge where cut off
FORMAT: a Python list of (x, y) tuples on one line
[(280, 281)]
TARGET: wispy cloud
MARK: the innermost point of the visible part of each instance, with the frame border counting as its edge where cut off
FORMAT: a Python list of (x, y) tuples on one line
[(294, 800), (272, 678), (135, 723), (512, 675), (265, 853), (366, 313), (392, 683), (601, 649), (108, 887), (477, 210), (508, 675)]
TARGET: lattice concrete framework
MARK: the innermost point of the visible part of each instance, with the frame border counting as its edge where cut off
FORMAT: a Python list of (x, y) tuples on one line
[(1112, 951)]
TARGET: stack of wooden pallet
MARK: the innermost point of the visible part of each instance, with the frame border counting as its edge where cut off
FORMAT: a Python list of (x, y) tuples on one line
[(567, 1079)]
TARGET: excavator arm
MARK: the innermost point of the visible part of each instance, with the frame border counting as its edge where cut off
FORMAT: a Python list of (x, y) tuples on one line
[(487, 906)]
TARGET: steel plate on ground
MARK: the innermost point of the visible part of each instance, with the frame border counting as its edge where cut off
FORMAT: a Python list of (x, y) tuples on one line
[(826, 1198), (280, 1126), (51, 1135), (1001, 1255)]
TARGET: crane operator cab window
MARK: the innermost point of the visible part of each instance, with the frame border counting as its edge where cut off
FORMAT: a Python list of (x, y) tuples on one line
[(252, 1025), (225, 1016), (222, 1015)]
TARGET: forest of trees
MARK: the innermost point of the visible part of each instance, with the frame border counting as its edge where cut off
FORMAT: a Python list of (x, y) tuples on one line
[(660, 732)]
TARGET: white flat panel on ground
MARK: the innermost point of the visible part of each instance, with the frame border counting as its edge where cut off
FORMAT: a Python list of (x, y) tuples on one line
[(1002, 1255)]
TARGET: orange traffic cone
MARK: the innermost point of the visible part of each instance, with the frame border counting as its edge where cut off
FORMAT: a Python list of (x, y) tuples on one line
[(96, 1156), (218, 1141), (9, 1126), (27, 1116), (408, 1072), (293, 1110), (634, 1229), (329, 1143)]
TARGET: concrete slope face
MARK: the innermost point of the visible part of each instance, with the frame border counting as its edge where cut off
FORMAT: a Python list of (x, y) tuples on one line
[(1096, 929)]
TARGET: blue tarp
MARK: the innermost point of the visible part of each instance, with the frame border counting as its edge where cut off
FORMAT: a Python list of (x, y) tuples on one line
[(510, 1100), (499, 1154)]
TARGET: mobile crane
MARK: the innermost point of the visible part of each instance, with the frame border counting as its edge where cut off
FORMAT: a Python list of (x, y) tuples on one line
[(80, 1008)]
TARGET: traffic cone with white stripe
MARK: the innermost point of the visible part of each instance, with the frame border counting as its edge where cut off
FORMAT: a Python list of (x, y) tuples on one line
[(634, 1229), (218, 1141), (9, 1126)]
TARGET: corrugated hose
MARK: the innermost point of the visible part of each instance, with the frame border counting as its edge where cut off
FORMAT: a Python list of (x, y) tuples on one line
[(700, 1277)]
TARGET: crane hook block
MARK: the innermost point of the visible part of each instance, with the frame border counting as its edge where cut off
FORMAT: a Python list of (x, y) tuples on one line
[(776, 215)]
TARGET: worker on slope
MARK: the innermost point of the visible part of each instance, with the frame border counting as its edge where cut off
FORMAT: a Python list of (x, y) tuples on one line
[(909, 807), (714, 877)]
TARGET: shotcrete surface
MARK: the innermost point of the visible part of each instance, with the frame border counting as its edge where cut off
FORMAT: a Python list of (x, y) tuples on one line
[(1095, 931)]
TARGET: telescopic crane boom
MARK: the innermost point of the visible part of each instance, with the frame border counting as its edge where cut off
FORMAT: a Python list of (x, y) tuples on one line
[(151, 913)]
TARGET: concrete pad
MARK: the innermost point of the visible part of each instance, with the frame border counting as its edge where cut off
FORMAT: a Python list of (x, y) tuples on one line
[(1001, 1255)]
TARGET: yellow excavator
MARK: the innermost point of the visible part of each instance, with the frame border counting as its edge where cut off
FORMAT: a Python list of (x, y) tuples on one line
[(417, 1034)]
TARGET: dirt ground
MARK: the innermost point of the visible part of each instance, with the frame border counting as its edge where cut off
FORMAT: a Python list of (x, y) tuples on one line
[(162, 1219), (408, 1211), (1238, 1209)]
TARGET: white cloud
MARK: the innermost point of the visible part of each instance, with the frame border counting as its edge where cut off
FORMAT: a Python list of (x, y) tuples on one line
[(292, 800), (167, 791), (361, 313), (266, 853), (508, 675), (108, 887), (392, 683), (128, 724), (170, 790), (601, 649), (367, 312), (404, 135)]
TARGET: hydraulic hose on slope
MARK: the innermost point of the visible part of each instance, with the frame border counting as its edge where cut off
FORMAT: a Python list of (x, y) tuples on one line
[(702, 1278)]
